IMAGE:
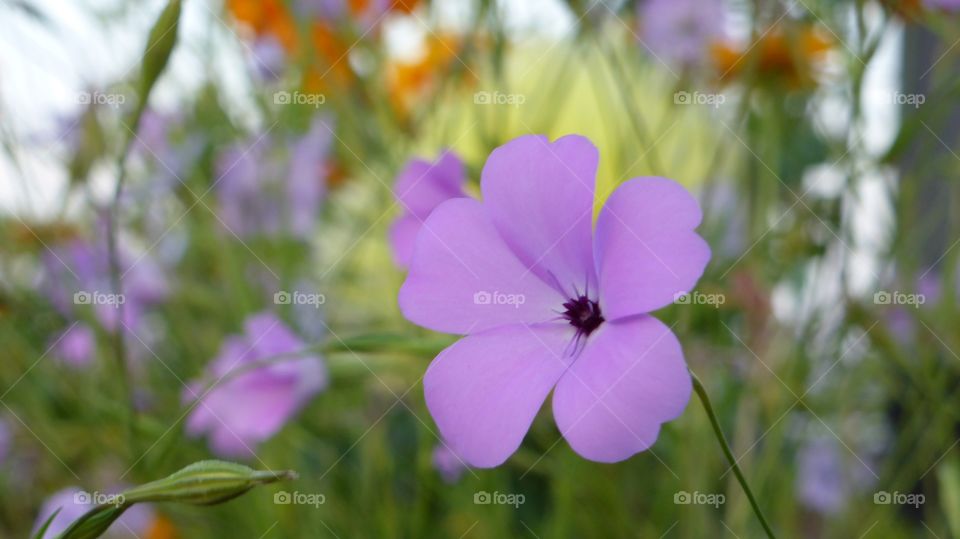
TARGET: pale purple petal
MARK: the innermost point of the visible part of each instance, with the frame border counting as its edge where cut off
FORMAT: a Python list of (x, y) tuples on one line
[(422, 186), (485, 390), (646, 249), (464, 278), (540, 196), (450, 465), (681, 31), (76, 345), (243, 410), (946, 5), (402, 234), (629, 379), (306, 184)]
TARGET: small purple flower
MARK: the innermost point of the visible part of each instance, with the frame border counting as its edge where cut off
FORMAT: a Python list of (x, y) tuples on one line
[(681, 31), (268, 194), (73, 503), (448, 464), (250, 407), (329, 10), (268, 58), (946, 5), (820, 483), (6, 441), (76, 345), (421, 187), (547, 303), (83, 268)]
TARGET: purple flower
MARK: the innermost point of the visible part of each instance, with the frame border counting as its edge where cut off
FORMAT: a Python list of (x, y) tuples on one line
[(821, 483), (448, 464), (548, 304), (83, 268), (681, 31), (421, 187), (268, 57), (250, 406), (322, 9), (73, 503), (6, 441), (263, 193), (76, 345), (946, 5)]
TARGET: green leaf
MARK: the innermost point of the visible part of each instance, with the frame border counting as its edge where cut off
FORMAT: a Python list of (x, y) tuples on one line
[(948, 475), (159, 47), (43, 529), (94, 523)]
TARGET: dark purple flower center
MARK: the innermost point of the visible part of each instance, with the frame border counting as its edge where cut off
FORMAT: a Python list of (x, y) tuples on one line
[(583, 314)]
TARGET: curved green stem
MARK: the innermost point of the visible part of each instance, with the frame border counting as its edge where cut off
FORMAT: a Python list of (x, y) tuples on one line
[(705, 401)]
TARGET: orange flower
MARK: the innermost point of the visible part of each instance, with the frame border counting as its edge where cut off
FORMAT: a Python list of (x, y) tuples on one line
[(778, 56), (266, 17), (161, 528), (410, 82), (329, 62)]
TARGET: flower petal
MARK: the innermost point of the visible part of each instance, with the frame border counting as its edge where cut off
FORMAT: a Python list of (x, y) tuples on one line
[(464, 279), (421, 186), (646, 249), (630, 378), (485, 390), (402, 233), (540, 196)]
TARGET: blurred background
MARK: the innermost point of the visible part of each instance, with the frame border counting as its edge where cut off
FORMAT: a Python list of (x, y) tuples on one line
[(239, 212)]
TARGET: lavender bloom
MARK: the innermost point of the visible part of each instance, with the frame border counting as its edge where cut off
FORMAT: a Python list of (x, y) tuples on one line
[(248, 408), (76, 272), (261, 194), (681, 31), (946, 5), (6, 441), (820, 481), (421, 187), (320, 9), (268, 57), (76, 345), (547, 303), (448, 464), (901, 320)]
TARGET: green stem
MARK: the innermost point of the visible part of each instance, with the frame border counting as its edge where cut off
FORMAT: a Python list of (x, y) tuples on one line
[(721, 439)]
